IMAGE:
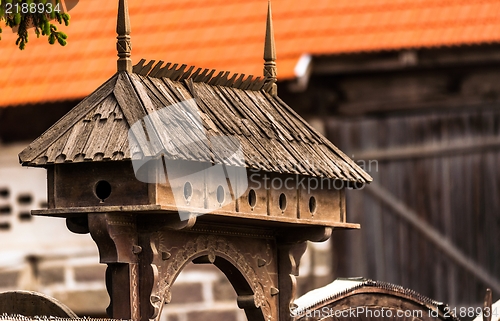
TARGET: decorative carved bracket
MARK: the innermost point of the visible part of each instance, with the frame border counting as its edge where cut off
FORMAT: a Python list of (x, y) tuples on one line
[(289, 259), (148, 252), (240, 258), (116, 239)]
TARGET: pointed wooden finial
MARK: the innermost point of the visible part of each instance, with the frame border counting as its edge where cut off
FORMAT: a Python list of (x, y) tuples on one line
[(270, 70), (123, 45)]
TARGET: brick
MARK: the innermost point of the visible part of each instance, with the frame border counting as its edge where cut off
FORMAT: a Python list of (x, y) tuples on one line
[(183, 293), (229, 315), (8, 279), (51, 276), (172, 317), (223, 290), (90, 273)]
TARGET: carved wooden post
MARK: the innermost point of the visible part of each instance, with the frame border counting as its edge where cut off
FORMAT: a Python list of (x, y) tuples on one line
[(116, 238)]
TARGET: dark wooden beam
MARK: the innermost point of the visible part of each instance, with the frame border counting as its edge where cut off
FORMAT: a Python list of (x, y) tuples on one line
[(430, 58), (430, 150)]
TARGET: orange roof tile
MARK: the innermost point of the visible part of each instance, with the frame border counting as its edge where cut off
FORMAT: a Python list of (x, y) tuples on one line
[(229, 35)]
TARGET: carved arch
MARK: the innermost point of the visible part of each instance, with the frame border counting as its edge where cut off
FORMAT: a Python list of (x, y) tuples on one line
[(249, 265)]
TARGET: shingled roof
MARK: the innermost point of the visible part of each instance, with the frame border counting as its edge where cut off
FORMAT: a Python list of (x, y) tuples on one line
[(272, 136), (155, 110)]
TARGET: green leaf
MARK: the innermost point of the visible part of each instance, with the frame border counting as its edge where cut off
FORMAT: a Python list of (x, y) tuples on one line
[(66, 18), (61, 41), (46, 28), (17, 19)]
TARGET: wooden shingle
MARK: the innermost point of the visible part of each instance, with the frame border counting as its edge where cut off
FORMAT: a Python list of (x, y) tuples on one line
[(273, 138)]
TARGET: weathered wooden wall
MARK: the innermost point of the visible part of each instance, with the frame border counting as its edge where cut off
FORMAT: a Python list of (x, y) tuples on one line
[(428, 130), (455, 190)]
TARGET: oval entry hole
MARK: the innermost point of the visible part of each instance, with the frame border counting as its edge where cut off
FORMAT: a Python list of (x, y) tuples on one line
[(282, 201), (188, 191), (102, 190), (312, 204), (220, 194), (252, 198)]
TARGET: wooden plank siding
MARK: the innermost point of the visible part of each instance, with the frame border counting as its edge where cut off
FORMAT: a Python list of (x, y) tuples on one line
[(457, 192)]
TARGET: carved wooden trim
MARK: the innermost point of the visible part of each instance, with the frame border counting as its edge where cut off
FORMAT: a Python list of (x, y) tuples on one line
[(115, 235), (122, 284), (123, 44), (270, 70), (289, 255), (145, 255), (167, 252), (116, 239), (134, 291)]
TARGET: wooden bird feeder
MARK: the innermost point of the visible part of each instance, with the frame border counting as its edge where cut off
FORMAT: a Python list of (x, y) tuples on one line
[(139, 161)]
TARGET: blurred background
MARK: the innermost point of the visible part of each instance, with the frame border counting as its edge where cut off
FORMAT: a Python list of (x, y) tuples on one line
[(409, 89)]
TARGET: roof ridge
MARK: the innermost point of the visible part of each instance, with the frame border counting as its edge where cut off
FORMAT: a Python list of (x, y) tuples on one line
[(208, 76)]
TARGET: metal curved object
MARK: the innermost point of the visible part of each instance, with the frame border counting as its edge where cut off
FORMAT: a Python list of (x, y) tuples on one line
[(360, 299), (31, 304)]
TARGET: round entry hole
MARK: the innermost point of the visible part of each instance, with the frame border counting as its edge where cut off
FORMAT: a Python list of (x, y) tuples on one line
[(102, 190)]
